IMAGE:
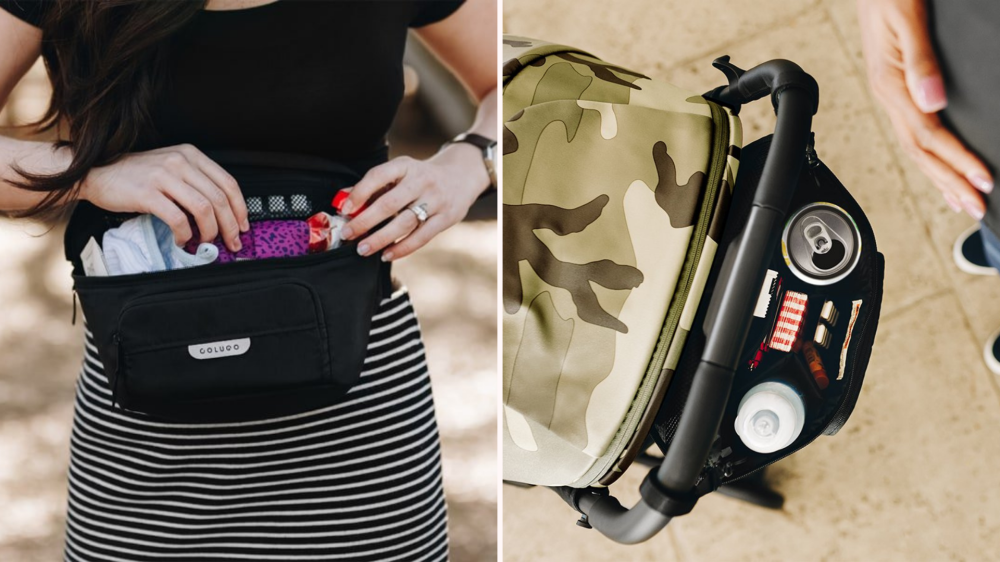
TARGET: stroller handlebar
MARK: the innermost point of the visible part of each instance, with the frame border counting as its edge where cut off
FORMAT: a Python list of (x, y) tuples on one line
[(625, 526), (731, 306), (772, 77), (669, 489)]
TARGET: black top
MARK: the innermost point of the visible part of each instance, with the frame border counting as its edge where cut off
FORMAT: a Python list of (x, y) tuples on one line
[(318, 78)]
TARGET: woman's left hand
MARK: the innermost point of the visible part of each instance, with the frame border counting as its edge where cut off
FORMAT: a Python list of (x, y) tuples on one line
[(445, 186)]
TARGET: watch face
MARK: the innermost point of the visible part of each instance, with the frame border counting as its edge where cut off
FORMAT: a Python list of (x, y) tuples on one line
[(492, 157), (492, 154)]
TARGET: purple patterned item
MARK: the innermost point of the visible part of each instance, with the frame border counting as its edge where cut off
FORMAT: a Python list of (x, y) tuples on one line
[(265, 239)]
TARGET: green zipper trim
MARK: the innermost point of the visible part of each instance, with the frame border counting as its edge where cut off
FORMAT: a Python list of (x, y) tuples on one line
[(717, 166), (716, 170)]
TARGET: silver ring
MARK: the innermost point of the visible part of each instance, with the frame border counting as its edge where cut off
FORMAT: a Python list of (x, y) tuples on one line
[(421, 211)]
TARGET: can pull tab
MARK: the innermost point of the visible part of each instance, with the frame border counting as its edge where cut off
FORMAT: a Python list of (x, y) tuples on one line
[(818, 235)]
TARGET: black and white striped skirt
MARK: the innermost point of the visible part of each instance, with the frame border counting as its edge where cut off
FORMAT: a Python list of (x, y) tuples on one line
[(360, 480)]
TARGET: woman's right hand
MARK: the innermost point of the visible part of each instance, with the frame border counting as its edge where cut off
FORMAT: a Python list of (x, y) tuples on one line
[(905, 78), (172, 183)]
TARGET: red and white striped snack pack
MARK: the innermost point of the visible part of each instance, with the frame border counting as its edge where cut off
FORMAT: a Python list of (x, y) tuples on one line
[(791, 318)]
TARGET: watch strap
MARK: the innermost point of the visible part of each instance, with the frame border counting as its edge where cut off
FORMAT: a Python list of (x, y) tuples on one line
[(488, 147), (477, 140)]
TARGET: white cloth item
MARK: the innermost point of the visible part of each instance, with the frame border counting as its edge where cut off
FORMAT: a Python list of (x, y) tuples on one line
[(146, 244), (337, 224), (176, 257)]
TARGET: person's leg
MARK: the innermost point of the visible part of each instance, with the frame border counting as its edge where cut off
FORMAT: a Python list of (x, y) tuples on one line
[(991, 247), (969, 252), (991, 253)]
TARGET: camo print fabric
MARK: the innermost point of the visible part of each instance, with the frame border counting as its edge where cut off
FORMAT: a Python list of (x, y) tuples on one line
[(615, 193)]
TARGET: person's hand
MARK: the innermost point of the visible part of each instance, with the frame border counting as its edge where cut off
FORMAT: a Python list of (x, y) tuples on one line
[(172, 183), (906, 80), (446, 185)]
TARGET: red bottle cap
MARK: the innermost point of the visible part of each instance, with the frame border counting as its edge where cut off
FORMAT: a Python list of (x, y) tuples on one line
[(340, 198)]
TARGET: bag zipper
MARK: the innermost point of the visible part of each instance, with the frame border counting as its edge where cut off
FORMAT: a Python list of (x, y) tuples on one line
[(716, 168), (172, 295), (283, 179), (812, 159), (714, 182), (119, 372)]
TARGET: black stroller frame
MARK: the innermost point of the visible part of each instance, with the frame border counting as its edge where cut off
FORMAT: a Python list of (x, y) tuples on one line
[(669, 488)]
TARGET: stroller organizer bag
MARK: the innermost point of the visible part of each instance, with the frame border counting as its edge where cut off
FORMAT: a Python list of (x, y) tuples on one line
[(622, 209), (238, 339)]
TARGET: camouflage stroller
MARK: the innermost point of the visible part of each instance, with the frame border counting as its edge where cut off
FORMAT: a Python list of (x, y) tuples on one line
[(622, 208)]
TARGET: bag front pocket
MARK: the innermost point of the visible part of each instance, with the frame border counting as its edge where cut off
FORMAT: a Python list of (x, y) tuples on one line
[(197, 345)]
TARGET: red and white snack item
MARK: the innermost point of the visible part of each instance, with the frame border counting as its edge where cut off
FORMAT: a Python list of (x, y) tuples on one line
[(855, 309), (791, 318), (324, 232), (319, 232), (337, 224), (325, 229)]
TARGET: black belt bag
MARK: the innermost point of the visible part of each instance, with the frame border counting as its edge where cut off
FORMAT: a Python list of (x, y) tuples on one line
[(243, 340)]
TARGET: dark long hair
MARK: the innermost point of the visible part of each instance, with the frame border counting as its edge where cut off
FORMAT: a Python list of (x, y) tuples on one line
[(105, 59)]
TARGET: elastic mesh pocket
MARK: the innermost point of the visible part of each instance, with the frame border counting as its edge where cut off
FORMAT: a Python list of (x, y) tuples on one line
[(255, 207), (273, 207)]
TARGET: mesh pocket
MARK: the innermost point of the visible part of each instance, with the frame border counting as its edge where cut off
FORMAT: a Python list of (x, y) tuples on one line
[(271, 207)]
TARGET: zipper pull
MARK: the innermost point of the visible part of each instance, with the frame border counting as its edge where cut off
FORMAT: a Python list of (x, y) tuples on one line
[(74, 308), (811, 157), (115, 382)]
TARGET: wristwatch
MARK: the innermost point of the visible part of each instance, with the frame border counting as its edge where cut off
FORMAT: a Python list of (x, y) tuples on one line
[(489, 148)]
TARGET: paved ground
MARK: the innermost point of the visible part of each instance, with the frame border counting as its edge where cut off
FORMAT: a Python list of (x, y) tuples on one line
[(913, 474), (453, 284)]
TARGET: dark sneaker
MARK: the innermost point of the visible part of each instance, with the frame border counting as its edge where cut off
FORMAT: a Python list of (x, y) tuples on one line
[(969, 254), (991, 353)]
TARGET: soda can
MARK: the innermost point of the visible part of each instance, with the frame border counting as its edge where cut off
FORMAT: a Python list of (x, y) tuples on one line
[(821, 244)]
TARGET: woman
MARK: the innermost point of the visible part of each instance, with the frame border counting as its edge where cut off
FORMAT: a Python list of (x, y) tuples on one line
[(144, 88)]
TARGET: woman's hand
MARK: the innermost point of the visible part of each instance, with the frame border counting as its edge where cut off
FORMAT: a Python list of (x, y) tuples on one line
[(446, 185), (172, 183), (906, 80), (449, 183)]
